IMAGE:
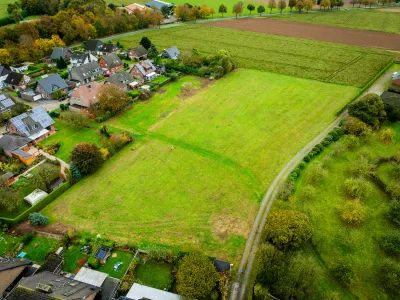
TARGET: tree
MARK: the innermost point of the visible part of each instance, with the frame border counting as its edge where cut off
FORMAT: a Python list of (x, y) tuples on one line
[(270, 263), (238, 8), (156, 17), (10, 200), (389, 276), (44, 176), (250, 8), (394, 212), (390, 242), (182, 12), (261, 9), (61, 63), (165, 10), (19, 108), (308, 4), (271, 5), (325, 4), (37, 219), (153, 52), (281, 5), (339, 3), (194, 13), (354, 126), (288, 228), (5, 57), (292, 3), (204, 11), (17, 15), (76, 120), (212, 12), (196, 276), (353, 212), (300, 5), (354, 2), (342, 272), (111, 98), (222, 10), (87, 158), (369, 109), (145, 42), (75, 173), (357, 188)]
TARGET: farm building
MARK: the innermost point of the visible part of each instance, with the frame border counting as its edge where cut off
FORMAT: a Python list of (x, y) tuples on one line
[(158, 4)]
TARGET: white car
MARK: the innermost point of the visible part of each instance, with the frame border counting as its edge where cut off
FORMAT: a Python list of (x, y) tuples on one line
[(396, 75)]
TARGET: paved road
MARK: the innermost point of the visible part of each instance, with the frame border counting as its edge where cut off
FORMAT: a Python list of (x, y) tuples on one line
[(239, 288)]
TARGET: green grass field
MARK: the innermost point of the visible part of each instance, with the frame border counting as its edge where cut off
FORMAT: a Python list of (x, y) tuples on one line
[(333, 240), (156, 275), (201, 163), (108, 267), (3, 7), (38, 248), (322, 61), (370, 19)]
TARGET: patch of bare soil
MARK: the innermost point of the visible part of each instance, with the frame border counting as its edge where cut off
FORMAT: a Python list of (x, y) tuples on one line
[(390, 9), (225, 225), (55, 229), (317, 32)]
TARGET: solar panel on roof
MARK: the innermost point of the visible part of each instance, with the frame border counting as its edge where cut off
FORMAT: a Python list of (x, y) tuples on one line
[(7, 102), (2, 96)]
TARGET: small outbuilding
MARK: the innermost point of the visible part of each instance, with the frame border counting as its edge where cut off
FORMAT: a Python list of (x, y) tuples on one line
[(35, 197), (222, 266), (171, 53)]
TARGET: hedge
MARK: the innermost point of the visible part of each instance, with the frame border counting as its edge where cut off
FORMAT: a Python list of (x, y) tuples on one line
[(42, 204)]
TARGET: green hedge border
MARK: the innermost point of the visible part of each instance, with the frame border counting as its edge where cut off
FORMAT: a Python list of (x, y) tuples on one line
[(367, 86), (42, 204)]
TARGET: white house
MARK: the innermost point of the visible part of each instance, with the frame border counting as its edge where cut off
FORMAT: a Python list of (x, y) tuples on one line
[(81, 58)]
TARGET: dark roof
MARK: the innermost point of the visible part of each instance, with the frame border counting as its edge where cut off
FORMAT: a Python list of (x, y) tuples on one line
[(140, 51), (120, 78), (93, 45), (85, 71), (10, 142), (112, 60), (55, 184), (222, 266), (6, 176), (52, 83), (109, 288), (109, 48), (52, 263), (4, 70), (14, 78), (12, 263), (172, 52), (60, 52), (390, 98), (59, 288), (158, 4)]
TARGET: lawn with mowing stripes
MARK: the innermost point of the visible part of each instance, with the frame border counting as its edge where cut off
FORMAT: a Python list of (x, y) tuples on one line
[(196, 176), (328, 62)]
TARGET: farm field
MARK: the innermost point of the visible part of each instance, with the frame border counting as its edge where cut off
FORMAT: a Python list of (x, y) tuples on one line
[(334, 241), (340, 64), (197, 174), (370, 19)]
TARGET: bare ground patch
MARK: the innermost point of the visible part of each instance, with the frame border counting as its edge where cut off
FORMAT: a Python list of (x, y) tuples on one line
[(354, 37), (390, 9)]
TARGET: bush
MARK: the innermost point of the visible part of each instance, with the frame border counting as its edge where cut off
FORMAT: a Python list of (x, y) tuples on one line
[(351, 142), (302, 165), (76, 120), (54, 114), (288, 228), (38, 219), (308, 192), (352, 212), (52, 148), (27, 238), (343, 273), (357, 187), (390, 242), (394, 212), (93, 262), (75, 173), (362, 167), (389, 276), (87, 158), (287, 190), (369, 109), (144, 94), (354, 126), (316, 173)]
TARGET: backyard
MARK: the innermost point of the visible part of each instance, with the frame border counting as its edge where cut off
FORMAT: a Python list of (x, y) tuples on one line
[(154, 274), (203, 161), (341, 64), (38, 248), (8, 242)]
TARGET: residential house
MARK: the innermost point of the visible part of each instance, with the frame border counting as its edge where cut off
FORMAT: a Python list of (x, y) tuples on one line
[(48, 86), (4, 71), (20, 67), (64, 53), (138, 53), (6, 103), (108, 285), (35, 125), (158, 4), (171, 53), (86, 73), (134, 6), (17, 81), (111, 62), (50, 286), (108, 48), (18, 147), (123, 80), (144, 70), (53, 264), (7, 178), (80, 58), (10, 271), (84, 97), (139, 291), (93, 46)]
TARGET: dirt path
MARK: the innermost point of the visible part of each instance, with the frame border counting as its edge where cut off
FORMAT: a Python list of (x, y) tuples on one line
[(63, 164), (354, 37)]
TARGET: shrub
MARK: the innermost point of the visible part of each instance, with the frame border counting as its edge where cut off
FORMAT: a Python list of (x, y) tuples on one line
[(75, 173), (288, 228), (308, 192), (270, 261), (343, 273), (354, 126), (93, 262), (352, 212), (390, 242), (144, 94), (306, 159), (316, 173), (369, 109), (362, 167), (394, 212), (287, 190), (338, 149), (38, 219), (357, 187), (351, 142), (76, 120), (52, 148), (87, 158), (389, 276), (27, 238), (54, 114), (302, 165), (393, 188)]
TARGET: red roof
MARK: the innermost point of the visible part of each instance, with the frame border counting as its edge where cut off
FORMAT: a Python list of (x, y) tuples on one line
[(396, 81)]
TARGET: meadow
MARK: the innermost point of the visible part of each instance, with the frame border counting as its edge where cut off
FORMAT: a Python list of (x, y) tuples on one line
[(367, 19), (203, 159), (328, 62), (334, 241), (3, 7)]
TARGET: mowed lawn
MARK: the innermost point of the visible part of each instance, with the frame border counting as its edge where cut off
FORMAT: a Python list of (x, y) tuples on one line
[(367, 19), (3, 7), (196, 176), (328, 62)]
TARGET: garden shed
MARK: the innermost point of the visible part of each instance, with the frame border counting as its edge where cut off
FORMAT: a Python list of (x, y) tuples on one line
[(35, 197)]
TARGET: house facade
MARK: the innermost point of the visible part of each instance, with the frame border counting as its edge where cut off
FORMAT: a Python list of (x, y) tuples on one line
[(48, 86), (81, 58), (138, 53), (111, 62), (84, 97), (86, 73), (144, 71), (17, 81)]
